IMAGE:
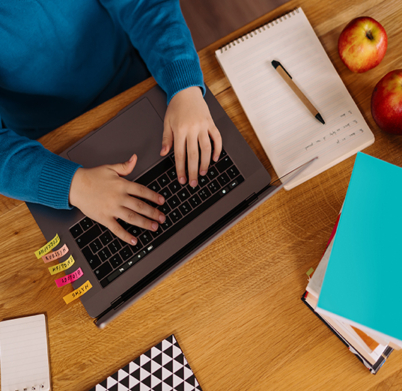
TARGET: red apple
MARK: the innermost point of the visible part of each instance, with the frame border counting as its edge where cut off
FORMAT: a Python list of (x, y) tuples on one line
[(386, 102), (362, 44)]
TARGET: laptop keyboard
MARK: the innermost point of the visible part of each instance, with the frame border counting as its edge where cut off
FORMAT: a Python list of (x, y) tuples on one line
[(109, 257)]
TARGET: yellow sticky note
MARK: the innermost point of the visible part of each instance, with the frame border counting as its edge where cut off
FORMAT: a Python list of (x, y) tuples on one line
[(85, 287), (62, 266), (310, 271), (48, 247)]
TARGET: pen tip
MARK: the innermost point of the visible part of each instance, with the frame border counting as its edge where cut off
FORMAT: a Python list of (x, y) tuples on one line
[(318, 116)]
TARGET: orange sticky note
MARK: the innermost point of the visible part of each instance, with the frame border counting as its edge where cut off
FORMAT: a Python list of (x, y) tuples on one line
[(62, 266), (55, 254), (48, 247), (85, 287)]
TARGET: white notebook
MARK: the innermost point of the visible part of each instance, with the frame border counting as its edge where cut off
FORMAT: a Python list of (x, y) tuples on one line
[(288, 132), (24, 354)]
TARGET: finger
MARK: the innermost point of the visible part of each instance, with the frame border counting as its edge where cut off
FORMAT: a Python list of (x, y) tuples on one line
[(133, 218), (217, 139), (123, 169), (120, 232), (180, 157), (142, 208), (167, 139), (192, 160), (205, 145), (137, 190)]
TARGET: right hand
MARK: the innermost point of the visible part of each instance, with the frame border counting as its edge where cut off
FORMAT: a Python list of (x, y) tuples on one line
[(104, 196)]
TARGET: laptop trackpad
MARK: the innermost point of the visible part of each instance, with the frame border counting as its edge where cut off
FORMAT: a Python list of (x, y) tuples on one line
[(136, 130)]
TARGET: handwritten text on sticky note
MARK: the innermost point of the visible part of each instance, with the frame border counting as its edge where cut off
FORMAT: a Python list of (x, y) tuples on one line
[(69, 278), (55, 254), (62, 266), (85, 287), (48, 247)]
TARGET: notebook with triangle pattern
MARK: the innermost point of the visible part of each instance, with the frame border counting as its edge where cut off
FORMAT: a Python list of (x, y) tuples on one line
[(161, 368)]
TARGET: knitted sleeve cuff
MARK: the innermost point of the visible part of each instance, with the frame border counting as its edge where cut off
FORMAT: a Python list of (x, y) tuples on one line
[(55, 181), (180, 75)]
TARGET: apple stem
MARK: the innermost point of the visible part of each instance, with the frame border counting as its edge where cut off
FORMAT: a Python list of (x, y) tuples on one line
[(369, 35)]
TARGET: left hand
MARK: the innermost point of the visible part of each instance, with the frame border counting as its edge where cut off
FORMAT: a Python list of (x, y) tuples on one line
[(188, 123)]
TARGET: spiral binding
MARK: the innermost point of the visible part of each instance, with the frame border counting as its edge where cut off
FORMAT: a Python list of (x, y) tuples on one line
[(260, 29)]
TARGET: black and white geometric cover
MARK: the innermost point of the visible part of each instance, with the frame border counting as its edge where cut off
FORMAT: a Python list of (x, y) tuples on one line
[(161, 368)]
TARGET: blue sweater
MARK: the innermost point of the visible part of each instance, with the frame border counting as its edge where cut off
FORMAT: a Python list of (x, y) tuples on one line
[(60, 58)]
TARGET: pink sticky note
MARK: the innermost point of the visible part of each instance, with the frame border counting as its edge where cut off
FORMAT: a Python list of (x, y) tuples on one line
[(69, 278), (55, 254)]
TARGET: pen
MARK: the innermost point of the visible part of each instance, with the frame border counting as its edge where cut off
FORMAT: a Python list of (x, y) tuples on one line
[(288, 79)]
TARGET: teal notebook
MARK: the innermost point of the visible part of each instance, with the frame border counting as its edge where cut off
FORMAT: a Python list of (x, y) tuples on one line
[(363, 281)]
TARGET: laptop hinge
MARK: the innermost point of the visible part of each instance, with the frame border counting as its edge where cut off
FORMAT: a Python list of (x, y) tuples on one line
[(116, 303), (251, 199)]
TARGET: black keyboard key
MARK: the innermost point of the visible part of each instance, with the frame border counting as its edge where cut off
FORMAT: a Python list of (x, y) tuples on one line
[(223, 179), (145, 238), (223, 154), (194, 200), (106, 238), (76, 230), (175, 216), (92, 259), (88, 236), (115, 261), (203, 180), (167, 224), (172, 174), (118, 272), (163, 180), (102, 227), (193, 190), (104, 254), (224, 164), (175, 186), (137, 247), (135, 231), (96, 245), (233, 172), (165, 208), (154, 186), (103, 271), (173, 202), (214, 186), (155, 172), (123, 224), (86, 223), (126, 253), (157, 232), (114, 246), (183, 194), (204, 193), (166, 193), (212, 173), (185, 208), (236, 182)]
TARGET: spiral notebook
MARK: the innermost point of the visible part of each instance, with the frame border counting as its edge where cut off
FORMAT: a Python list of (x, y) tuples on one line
[(24, 354), (288, 132)]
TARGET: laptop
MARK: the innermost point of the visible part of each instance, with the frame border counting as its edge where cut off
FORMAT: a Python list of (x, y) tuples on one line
[(120, 273)]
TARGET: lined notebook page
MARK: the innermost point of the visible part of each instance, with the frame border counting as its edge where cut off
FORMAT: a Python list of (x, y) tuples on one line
[(24, 354), (288, 132)]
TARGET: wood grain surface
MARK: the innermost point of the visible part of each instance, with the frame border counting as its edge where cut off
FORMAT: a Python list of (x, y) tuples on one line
[(235, 308)]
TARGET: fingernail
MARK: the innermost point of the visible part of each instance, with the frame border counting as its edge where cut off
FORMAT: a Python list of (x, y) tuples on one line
[(203, 173), (161, 200), (216, 158), (133, 241), (162, 218), (182, 180), (193, 183), (154, 226), (131, 159)]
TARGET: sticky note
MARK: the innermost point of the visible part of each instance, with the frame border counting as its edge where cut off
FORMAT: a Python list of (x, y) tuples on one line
[(310, 271), (69, 278), (55, 254), (48, 247), (85, 287), (62, 266)]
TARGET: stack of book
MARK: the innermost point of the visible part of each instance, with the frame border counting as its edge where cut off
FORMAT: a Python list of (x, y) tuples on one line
[(356, 289)]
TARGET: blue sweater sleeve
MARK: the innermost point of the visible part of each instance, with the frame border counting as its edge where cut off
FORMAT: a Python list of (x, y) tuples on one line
[(159, 32), (30, 172)]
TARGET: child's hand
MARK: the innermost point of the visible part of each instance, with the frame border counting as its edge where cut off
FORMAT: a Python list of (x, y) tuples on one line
[(188, 123), (101, 194)]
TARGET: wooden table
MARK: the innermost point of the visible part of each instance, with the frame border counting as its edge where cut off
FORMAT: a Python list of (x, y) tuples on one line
[(235, 308)]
